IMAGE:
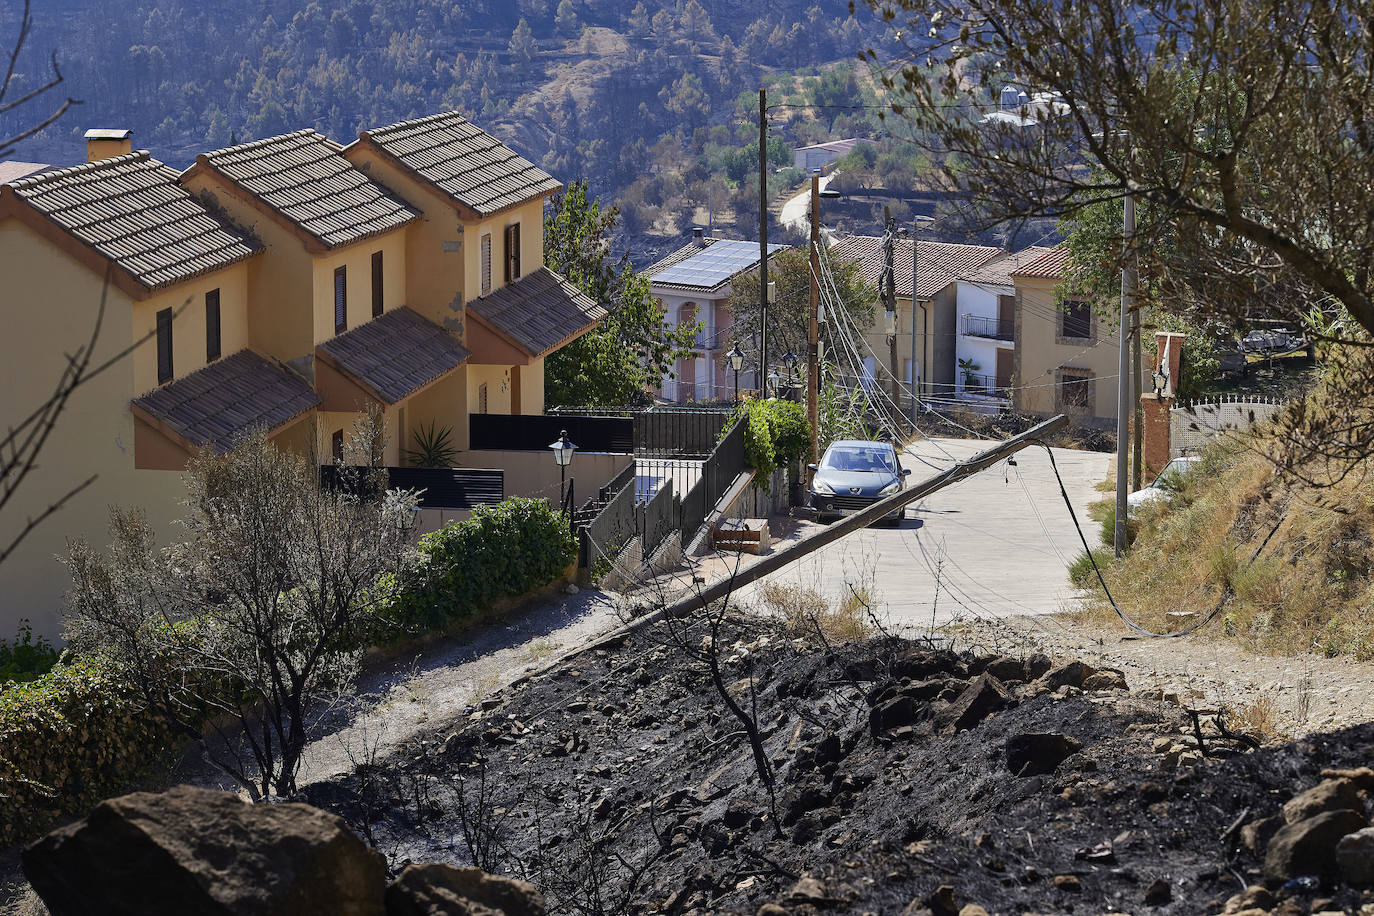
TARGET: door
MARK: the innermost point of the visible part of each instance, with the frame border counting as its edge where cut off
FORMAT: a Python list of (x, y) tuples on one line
[(1004, 358)]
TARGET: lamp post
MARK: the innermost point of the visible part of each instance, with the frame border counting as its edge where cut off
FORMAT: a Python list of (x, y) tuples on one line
[(562, 454), (736, 357)]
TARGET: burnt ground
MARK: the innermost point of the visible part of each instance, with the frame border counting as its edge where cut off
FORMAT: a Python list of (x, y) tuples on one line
[(618, 782)]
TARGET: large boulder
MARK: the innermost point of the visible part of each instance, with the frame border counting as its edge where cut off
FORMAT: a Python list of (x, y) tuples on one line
[(1355, 857), (979, 700), (1071, 674), (1037, 753), (1327, 795), (1309, 847), (191, 850), (443, 890)]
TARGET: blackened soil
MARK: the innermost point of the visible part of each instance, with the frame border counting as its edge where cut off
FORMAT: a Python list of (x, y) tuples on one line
[(619, 782)]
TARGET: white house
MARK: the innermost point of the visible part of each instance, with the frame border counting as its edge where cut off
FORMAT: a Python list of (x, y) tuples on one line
[(986, 343)]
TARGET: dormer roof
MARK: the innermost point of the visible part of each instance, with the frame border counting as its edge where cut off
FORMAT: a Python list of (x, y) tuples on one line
[(301, 178), (465, 163), (131, 212)]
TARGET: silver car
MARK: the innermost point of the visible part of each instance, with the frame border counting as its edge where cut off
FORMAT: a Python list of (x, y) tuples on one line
[(852, 475)]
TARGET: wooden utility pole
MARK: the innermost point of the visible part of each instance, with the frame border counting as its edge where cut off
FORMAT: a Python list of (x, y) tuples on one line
[(813, 373), (763, 242), (725, 585), (889, 292)]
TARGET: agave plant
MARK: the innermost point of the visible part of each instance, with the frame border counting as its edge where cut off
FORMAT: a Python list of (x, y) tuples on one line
[(433, 447)]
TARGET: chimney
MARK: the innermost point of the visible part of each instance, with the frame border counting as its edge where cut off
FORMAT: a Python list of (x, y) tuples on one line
[(717, 234), (105, 143), (699, 236)]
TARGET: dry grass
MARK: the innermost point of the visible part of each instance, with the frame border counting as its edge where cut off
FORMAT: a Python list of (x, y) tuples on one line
[(540, 649), (1309, 588), (1258, 718), (806, 613)]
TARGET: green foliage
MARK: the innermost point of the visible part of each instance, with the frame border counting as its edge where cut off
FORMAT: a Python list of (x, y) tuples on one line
[(68, 739), (633, 348), (1107, 527), (778, 435), (25, 658), (1081, 572), (501, 551), (839, 413), (433, 447)]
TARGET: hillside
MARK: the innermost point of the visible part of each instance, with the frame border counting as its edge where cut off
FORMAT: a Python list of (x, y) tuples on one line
[(620, 94)]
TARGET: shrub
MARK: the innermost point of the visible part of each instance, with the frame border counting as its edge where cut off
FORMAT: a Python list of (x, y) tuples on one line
[(68, 739), (1107, 533), (1081, 571), (778, 434), (25, 659), (501, 551)]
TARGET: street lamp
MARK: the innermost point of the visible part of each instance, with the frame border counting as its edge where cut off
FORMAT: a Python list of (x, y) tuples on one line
[(789, 359), (773, 382), (562, 454), (1160, 380), (736, 357)]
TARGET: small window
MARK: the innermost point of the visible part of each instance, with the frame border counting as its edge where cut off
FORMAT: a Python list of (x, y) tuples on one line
[(1075, 391), (512, 253), (212, 326), (482, 398), (340, 300), (377, 305), (164, 346), (336, 445), (1077, 319), (486, 264)]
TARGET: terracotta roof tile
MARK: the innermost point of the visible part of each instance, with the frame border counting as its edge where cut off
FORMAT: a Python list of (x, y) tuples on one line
[(395, 354), (540, 312), (302, 176), (217, 405), (464, 161), (131, 210), (998, 272), (940, 263), (1049, 266)]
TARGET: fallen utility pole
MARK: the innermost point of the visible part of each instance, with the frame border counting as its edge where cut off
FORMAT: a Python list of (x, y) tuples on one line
[(724, 585)]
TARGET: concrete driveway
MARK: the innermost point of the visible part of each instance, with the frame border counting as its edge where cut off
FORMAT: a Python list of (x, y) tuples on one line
[(1000, 541)]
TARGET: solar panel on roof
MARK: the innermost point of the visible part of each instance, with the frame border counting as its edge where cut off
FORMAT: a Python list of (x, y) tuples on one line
[(713, 266)]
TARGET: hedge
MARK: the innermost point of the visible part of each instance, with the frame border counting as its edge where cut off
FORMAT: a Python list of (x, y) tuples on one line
[(67, 740), (500, 552), (778, 434), (75, 735)]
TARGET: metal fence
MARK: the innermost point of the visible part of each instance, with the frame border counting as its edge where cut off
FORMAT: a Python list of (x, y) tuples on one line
[(658, 519), (608, 531), (718, 471), (442, 488), (536, 432), (995, 328), (659, 431)]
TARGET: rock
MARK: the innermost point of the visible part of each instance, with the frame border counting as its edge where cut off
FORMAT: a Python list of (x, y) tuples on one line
[(436, 889), (796, 802), (738, 813), (1035, 753), (1072, 674), (898, 711), (1158, 893), (1069, 884), (919, 664), (1037, 665), (191, 850), (771, 909), (973, 909), (1355, 856), (1255, 836), (808, 827), (1006, 669), (1255, 897), (941, 901), (808, 890), (1328, 795), (1362, 777), (1105, 680), (1309, 847), (981, 699)]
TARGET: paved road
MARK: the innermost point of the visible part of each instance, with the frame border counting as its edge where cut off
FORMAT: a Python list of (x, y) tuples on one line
[(796, 210), (983, 535)]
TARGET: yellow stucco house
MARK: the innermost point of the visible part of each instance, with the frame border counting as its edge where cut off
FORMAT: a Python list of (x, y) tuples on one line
[(288, 284)]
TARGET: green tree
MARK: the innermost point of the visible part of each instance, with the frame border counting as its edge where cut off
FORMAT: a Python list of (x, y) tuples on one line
[(790, 269), (696, 24), (633, 348), (566, 19), (638, 22), (522, 46)]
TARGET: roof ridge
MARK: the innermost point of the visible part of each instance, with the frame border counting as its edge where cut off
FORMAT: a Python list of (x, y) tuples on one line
[(85, 167), (411, 122), (254, 144)]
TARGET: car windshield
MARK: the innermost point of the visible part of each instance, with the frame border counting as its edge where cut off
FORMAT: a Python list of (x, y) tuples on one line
[(859, 458), (1175, 468)]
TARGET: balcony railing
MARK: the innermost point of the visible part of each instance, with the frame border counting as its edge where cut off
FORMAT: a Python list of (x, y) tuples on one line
[(987, 386), (992, 328)]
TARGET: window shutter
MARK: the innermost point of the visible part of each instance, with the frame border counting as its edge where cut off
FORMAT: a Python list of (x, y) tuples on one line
[(377, 305), (164, 346), (212, 348), (513, 253), (340, 300), (485, 266)]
